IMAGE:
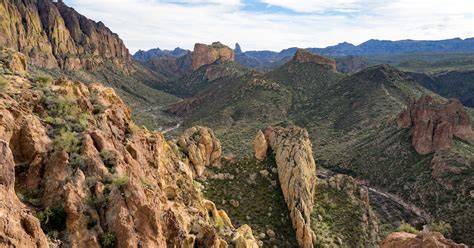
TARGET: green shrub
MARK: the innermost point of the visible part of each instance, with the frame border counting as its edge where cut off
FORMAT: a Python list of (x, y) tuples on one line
[(98, 109), (109, 159), (4, 84), (442, 227), (95, 202), (42, 81), (120, 181), (405, 227), (146, 184), (66, 141), (107, 240), (77, 160), (132, 129), (52, 218)]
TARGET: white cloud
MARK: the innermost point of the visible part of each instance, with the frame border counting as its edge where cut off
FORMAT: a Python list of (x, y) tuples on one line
[(145, 24)]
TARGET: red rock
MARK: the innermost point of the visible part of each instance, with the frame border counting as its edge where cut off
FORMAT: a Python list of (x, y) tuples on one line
[(434, 124), (208, 54), (304, 56)]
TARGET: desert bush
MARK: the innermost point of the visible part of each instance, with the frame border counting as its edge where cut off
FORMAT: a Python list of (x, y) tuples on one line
[(42, 82), (405, 227), (4, 84), (66, 141), (52, 218), (107, 240), (442, 227), (109, 159), (120, 181), (77, 160)]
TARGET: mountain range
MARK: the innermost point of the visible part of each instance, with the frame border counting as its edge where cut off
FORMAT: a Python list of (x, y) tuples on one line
[(344, 146)]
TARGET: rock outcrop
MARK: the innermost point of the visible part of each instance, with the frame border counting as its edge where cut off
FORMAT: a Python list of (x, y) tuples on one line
[(434, 124), (18, 227), (53, 35), (94, 179), (297, 175), (201, 147), (260, 146), (208, 54), (423, 239), (304, 56)]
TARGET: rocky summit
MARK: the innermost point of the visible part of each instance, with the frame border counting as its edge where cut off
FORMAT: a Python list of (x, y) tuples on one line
[(208, 54), (304, 56)]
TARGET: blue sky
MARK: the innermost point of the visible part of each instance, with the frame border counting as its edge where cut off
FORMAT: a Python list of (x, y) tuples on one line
[(277, 24)]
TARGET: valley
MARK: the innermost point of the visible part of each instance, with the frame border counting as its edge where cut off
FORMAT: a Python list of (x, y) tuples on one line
[(368, 145)]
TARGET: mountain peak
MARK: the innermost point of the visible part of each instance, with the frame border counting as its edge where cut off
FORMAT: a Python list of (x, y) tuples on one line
[(207, 54), (304, 56), (238, 49)]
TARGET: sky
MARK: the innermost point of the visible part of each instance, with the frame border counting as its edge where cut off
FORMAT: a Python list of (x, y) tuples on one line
[(277, 24)]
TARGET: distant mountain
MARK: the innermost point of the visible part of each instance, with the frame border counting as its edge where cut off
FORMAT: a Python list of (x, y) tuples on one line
[(158, 53), (370, 47), (272, 59)]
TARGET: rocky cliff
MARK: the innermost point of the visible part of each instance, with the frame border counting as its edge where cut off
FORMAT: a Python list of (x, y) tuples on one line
[(434, 124), (423, 239), (208, 54), (54, 35), (297, 175), (304, 56), (91, 178)]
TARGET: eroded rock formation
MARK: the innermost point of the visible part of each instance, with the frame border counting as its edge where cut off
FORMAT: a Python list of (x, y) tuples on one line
[(201, 147), (18, 226), (94, 178), (304, 56), (434, 124), (423, 239), (297, 175), (208, 54), (54, 35)]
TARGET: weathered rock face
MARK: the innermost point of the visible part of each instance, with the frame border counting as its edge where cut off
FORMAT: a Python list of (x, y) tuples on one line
[(97, 178), (202, 148), (304, 56), (208, 54), (12, 62), (434, 125), (423, 239), (18, 227), (53, 35), (297, 175)]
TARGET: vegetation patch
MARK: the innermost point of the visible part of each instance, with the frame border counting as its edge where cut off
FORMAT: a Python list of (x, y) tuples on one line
[(252, 198)]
